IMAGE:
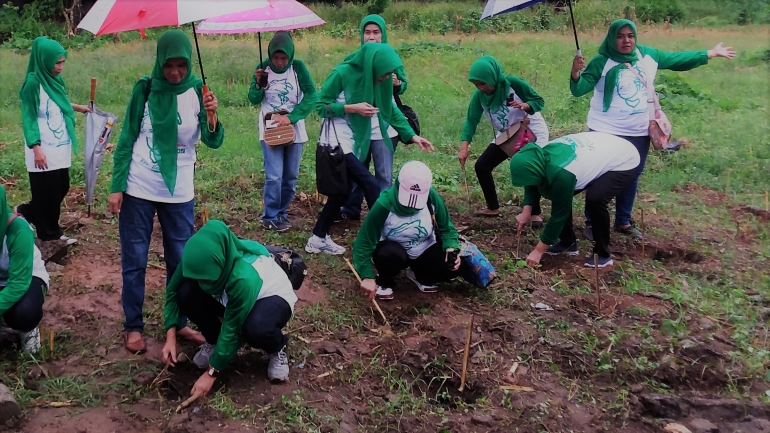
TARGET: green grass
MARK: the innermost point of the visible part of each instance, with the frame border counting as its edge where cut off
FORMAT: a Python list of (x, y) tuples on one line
[(720, 108)]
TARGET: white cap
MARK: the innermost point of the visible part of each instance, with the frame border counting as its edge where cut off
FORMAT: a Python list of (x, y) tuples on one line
[(414, 182)]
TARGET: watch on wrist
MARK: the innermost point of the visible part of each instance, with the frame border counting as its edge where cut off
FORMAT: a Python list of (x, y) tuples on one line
[(212, 372)]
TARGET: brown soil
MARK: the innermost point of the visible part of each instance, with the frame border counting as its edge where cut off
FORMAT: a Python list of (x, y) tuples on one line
[(339, 373)]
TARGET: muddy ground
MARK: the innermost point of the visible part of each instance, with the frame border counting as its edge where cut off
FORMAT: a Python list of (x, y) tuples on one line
[(581, 365)]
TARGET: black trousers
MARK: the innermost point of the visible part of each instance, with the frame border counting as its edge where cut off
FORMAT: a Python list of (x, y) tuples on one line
[(48, 191), (430, 267), (27, 313), (598, 195), (358, 174), (487, 162), (261, 330)]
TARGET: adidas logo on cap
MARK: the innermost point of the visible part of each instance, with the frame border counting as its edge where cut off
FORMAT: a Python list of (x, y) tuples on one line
[(415, 187)]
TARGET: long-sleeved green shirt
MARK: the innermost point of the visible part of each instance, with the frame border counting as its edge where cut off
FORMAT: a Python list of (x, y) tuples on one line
[(20, 240), (475, 110), (560, 192), (131, 129), (30, 104), (242, 292), (371, 231), (306, 84)]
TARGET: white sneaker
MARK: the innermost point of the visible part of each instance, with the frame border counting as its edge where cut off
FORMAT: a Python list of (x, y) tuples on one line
[(201, 359), (68, 239), (423, 288), (278, 368), (316, 245), (384, 293), (30, 341)]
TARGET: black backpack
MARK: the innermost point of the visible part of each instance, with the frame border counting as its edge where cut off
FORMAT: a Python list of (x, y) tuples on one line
[(291, 263)]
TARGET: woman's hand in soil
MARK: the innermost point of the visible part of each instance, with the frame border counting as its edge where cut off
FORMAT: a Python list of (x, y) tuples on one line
[(578, 64), (210, 102), (362, 108), (114, 202), (720, 51), (533, 259), (423, 144), (369, 286), (522, 220), (203, 385), (462, 155), (40, 160), (168, 354)]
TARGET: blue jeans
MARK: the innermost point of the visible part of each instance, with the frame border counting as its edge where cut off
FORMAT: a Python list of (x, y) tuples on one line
[(281, 171), (135, 226), (624, 201), (383, 173)]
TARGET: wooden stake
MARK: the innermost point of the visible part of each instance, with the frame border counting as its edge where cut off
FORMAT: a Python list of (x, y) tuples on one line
[(518, 243), (205, 214), (374, 301), (467, 189), (598, 291), (189, 401), (642, 210), (465, 355), (50, 342)]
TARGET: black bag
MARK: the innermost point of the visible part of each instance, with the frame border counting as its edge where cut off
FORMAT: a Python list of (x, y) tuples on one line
[(410, 115), (331, 173), (291, 263)]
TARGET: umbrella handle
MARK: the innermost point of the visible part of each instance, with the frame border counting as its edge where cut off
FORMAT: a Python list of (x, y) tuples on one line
[(211, 116), (93, 90)]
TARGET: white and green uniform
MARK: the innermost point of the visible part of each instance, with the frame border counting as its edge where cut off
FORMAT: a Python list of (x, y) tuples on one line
[(344, 134), (20, 260), (414, 233), (589, 156), (628, 113), (144, 178), (283, 93), (275, 282), (54, 138)]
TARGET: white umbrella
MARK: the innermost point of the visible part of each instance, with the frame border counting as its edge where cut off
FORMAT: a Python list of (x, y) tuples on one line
[(98, 130)]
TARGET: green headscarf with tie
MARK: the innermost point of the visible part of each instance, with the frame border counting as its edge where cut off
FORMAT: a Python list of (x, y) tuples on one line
[(488, 70), (609, 49)]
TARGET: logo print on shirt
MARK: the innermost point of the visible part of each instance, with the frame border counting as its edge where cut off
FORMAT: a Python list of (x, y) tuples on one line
[(630, 91), (413, 231), (55, 121), (282, 88)]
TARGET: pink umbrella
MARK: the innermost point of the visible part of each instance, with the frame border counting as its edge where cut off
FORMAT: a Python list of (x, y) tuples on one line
[(276, 16)]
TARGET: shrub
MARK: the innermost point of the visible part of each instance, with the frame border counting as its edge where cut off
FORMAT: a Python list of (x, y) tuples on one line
[(377, 6), (658, 11)]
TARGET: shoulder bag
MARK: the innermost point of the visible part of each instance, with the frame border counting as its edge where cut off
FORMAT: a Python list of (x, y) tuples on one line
[(410, 115), (331, 173), (660, 126)]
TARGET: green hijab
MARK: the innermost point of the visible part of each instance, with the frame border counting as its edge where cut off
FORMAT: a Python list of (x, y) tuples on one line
[(210, 256), (488, 70), (45, 53), (281, 43), (5, 213), (380, 21), (162, 101), (360, 72), (609, 49), (537, 166)]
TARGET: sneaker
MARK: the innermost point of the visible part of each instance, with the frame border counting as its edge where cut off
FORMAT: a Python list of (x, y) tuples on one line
[(316, 245), (342, 216), (423, 288), (201, 359), (278, 368), (558, 248), (384, 293), (285, 220), (68, 239), (603, 262), (278, 225), (30, 341), (631, 231), (588, 232)]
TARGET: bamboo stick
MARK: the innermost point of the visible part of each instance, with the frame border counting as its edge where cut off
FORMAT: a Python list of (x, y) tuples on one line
[(374, 301), (596, 281), (465, 355)]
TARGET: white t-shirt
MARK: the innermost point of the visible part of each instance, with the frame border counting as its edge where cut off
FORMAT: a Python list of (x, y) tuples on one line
[(628, 113), (344, 133), (275, 282), (144, 178), (504, 116), (597, 153), (415, 233), (54, 137), (38, 266), (284, 93)]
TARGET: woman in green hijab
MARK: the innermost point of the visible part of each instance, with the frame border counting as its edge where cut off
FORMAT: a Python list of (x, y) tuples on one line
[(357, 96), (503, 100), (23, 277), (383, 146), (234, 291), (281, 83), (48, 121), (154, 166), (619, 102), (398, 233)]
